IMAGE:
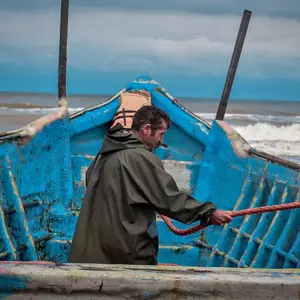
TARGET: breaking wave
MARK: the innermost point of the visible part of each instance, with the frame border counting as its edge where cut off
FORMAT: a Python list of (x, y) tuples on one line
[(269, 132), (277, 135), (254, 118), (33, 111), (283, 140)]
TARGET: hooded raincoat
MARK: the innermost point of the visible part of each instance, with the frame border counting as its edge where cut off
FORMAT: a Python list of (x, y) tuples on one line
[(126, 186)]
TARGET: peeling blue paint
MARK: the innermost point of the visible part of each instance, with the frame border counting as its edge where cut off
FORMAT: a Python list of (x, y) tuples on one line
[(10, 283), (252, 240)]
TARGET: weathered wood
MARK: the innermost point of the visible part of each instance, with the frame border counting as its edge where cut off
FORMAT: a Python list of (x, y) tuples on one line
[(275, 159), (89, 281), (233, 64), (62, 64)]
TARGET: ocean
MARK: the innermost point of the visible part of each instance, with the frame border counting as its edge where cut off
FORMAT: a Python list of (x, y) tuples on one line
[(270, 126)]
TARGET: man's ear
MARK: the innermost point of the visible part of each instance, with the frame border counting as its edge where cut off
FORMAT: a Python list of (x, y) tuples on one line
[(147, 129)]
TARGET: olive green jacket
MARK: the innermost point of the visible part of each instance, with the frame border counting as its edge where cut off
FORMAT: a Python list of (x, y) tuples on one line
[(126, 186)]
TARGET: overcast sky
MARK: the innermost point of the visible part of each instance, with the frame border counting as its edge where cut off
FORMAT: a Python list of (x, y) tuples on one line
[(185, 45)]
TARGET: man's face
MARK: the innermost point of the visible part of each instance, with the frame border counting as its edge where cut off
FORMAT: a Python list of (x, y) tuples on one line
[(152, 138)]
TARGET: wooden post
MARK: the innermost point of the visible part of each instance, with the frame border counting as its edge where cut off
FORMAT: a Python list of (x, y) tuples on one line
[(233, 64), (62, 64)]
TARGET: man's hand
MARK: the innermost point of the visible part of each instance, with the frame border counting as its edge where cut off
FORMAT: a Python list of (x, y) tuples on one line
[(220, 217)]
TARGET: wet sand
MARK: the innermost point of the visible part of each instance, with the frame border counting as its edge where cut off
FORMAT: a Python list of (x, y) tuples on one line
[(13, 122), (23, 105)]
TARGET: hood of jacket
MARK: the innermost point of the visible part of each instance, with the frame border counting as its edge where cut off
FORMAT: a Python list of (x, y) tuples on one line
[(118, 138)]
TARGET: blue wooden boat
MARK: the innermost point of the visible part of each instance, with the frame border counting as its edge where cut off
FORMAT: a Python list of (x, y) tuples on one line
[(42, 184), (42, 180)]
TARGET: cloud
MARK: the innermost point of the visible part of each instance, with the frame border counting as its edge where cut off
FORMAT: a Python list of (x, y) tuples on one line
[(275, 8), (153, 41)]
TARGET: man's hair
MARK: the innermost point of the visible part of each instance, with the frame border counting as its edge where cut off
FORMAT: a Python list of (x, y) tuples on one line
[(149, 115)]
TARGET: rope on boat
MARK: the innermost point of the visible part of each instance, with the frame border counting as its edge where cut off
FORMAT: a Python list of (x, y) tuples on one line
[(233, 214)]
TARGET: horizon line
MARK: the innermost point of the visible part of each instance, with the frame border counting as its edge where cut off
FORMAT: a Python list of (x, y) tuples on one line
[(182, 97)]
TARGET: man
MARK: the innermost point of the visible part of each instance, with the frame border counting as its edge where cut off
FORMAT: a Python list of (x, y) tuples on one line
[(126, 186)]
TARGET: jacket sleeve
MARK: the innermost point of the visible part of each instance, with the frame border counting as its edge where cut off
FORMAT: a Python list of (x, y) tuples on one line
[(159, 189)]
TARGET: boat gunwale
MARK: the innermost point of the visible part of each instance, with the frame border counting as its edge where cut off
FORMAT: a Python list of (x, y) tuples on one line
[(274, 159), (94, 107), (182, 107), (162, 281), (160, 90)]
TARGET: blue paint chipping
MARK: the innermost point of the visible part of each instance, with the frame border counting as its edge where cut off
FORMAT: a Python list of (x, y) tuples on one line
[(10, 283), (42, 187)]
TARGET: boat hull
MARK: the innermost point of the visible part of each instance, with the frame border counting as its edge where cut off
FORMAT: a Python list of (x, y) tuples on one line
[(42, 184)]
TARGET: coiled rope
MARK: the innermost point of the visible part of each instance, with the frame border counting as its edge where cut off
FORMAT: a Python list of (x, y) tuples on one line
[(233, 214)]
